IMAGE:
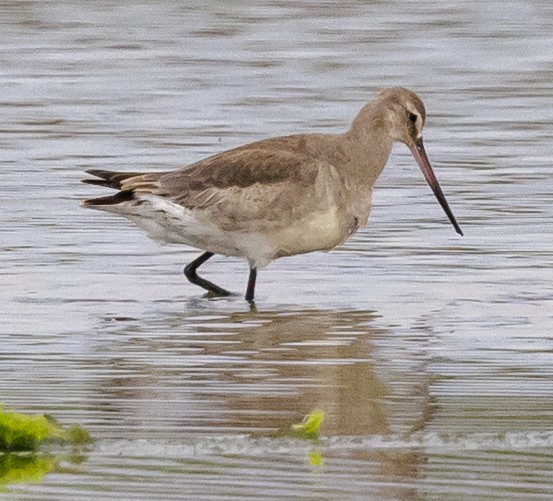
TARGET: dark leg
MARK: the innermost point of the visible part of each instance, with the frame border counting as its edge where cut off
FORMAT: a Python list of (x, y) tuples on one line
[(190, 273), (251, 284)]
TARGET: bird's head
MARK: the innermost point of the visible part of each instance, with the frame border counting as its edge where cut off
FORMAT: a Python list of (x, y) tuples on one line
[(404, 120)]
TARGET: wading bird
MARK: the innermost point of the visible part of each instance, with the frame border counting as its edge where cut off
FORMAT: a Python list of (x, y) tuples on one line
[(273, 198)]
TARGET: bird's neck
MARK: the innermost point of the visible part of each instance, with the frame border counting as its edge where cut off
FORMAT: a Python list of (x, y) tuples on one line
[(362, 152)]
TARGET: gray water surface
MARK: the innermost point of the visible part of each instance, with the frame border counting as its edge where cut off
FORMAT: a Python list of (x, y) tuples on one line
[(430, 354)]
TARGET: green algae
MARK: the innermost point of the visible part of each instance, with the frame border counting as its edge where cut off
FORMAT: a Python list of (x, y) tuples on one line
[(309, 428), (25, 432)]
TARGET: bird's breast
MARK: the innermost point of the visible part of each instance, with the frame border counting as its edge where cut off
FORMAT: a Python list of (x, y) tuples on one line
[(319, 231)]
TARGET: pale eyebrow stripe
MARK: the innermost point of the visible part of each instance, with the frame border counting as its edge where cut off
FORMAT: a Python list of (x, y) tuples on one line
[(413, 112)]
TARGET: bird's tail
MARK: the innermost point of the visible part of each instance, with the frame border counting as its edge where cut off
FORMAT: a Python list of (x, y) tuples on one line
[(129, 183)]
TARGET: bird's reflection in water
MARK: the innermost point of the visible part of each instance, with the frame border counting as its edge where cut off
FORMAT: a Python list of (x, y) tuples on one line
[(215, 372), (264, 370)]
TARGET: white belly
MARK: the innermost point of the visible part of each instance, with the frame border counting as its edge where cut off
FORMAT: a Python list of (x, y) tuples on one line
[(167, 222)]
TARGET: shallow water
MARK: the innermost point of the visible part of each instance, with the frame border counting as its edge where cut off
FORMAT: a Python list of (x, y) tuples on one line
[(431, 354)]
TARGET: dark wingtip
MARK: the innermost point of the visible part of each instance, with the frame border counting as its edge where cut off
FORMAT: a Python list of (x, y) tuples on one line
[(97, 182), (104, 174), (108, 178), (119, 197)]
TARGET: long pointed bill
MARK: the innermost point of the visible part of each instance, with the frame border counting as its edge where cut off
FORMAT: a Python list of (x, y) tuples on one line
[(420, 156)]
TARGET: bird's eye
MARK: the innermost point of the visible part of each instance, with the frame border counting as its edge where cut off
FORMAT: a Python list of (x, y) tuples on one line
[(412, 117)]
